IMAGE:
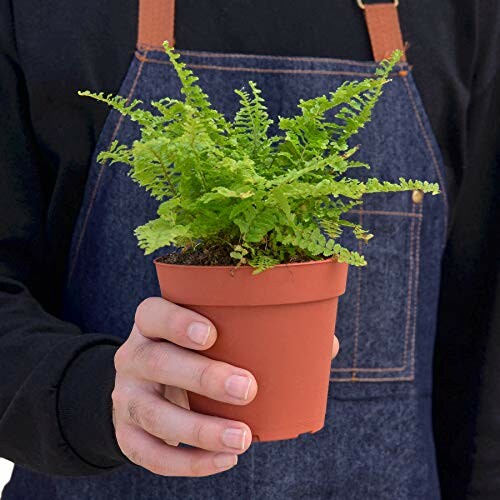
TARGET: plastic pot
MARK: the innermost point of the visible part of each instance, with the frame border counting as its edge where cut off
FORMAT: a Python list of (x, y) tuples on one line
[(279, 325)]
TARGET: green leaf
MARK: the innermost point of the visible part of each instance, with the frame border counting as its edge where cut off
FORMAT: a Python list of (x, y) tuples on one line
[(158, 233), (263, 198)]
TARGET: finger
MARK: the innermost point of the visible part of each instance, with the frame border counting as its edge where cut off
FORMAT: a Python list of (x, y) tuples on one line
[(168, 364), (174, 424), (335, 347), (153, 454), (178, 397), (157, 318)]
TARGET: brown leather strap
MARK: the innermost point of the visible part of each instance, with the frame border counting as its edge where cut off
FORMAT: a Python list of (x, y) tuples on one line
[(156, 23), (382, 21)]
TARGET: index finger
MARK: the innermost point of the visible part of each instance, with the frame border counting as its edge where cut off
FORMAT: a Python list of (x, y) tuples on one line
[(157, 319)]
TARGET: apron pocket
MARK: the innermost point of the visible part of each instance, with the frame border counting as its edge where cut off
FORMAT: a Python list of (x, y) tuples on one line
[(376, 323)]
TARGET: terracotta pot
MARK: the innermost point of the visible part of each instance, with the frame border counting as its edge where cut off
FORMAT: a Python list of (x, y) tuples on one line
[(279, 325)]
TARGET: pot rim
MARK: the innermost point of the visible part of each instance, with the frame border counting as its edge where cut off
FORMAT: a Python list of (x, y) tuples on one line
[(227, 285)]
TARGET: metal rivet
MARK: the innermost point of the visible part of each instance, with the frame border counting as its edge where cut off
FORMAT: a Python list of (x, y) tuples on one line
[(417, 196)]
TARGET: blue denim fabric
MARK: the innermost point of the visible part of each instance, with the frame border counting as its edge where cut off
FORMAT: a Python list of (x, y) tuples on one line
[(377, 442)]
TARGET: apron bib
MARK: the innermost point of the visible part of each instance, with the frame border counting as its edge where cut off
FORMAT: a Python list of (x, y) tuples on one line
[(377, 442)]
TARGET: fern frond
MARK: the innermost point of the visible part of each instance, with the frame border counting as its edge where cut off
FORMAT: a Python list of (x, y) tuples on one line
[(195, 97), (376, 186), (158, 233), (251, 123), (357, 100), (268, 199), (117, 153), (262, 262), (129, 109)]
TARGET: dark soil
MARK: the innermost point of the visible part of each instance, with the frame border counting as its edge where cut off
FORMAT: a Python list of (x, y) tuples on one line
[(215, 255), (205, 256)]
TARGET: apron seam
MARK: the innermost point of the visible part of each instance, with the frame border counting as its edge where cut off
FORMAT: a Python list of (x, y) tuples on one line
[(435, 162), (358, 306), (411, 283), (230, 55), (99, 178), (261, 70), (417, 281)]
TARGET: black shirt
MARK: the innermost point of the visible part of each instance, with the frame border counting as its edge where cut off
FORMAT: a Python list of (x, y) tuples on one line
[(56, 383)]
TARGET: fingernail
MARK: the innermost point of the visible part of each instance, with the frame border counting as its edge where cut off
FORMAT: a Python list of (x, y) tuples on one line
[(224, 460), (238, 386), (234, 438), (198, 332)]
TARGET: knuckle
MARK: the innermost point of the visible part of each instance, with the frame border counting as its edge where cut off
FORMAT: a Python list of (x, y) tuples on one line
[(134, 412), (206, 375), (148, 417), (144, 310), (155, 359), (141, 352), (199, 434), (120, 358), (118, 397)]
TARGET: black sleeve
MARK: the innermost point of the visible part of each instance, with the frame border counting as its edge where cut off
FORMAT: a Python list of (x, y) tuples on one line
[(485, 483), (467, 359), (55, 382)]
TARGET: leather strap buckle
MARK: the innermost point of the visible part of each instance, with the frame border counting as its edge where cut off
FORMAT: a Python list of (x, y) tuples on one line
[(362, 5)]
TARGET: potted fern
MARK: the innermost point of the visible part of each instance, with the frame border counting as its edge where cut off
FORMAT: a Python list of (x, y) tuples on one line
[(256, 218)]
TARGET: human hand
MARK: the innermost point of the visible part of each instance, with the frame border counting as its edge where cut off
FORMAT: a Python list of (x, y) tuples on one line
[(154, 368)]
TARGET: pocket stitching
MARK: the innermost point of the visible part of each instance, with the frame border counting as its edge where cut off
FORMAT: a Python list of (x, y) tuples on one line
[(411, 312), (415, 292), (358, 304)]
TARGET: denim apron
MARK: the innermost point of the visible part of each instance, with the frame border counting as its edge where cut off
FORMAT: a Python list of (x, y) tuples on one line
[(377, 442)]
